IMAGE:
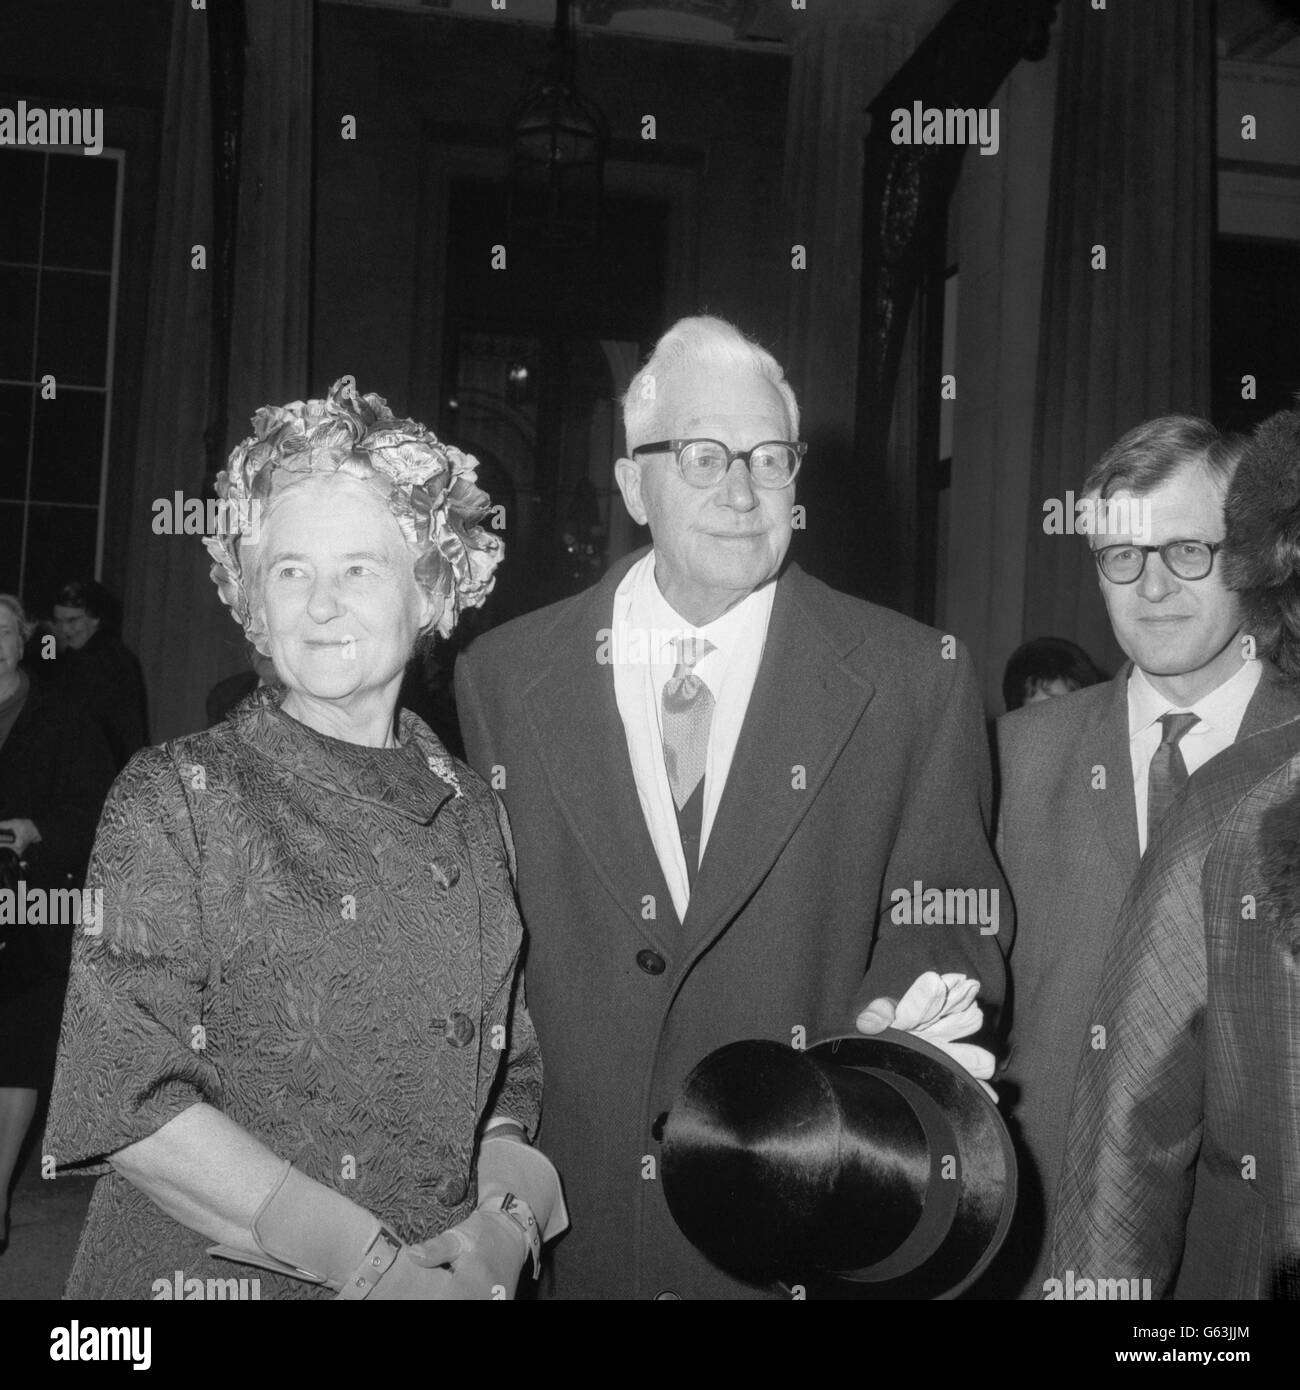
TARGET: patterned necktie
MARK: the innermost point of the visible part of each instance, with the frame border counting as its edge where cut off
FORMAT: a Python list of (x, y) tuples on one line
[(687, 715), (1168, 770)]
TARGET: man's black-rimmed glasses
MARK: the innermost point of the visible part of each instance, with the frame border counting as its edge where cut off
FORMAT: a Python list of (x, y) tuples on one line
[(1186, 559), (705, 462)]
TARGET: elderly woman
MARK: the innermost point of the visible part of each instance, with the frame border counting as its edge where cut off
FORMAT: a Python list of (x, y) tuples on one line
[(299, 1040), (55, 770)]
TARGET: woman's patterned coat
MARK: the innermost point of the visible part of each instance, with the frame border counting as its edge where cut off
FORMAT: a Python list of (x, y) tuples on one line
[(317, 938)]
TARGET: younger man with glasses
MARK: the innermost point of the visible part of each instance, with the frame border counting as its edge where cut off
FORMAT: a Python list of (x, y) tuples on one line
[(725, 781), (1086, 778)]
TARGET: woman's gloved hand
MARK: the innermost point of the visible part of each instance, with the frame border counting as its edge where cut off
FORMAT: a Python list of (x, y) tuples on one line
[(484, 1256)]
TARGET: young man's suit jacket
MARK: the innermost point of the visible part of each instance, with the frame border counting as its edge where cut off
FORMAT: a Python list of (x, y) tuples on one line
[(861, 768), (1068, 841), (1183, 1160)]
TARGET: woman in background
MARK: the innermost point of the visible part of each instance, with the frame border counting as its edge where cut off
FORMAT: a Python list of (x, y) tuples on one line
[(55, 770)]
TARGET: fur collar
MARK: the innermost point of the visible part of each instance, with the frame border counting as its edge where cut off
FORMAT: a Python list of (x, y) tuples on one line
[(1280, 854)]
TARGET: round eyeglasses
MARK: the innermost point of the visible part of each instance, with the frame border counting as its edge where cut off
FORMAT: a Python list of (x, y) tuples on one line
[(1123, 564), (705, 462)]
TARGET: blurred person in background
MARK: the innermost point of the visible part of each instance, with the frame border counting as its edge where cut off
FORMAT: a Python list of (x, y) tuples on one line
[(55, 770), (1047, 667), (95, 665), (233, 690)]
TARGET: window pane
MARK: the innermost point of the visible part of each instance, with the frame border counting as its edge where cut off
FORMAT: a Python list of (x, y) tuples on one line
[(15, 421), (69, 443), (17, 313), (60, 547), (11, 539), (73, 342), (20, 208), (79, 212)]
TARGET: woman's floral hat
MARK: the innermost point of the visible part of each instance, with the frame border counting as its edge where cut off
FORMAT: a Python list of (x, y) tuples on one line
[(433, 492)]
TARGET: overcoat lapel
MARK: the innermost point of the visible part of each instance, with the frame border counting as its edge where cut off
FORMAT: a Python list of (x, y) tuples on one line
[(806, 703), (580, 741), (1275, 701), (1106, 744)]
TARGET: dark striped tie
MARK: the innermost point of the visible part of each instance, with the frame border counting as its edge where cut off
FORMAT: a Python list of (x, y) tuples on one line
[(1168, 770), (687, 716)]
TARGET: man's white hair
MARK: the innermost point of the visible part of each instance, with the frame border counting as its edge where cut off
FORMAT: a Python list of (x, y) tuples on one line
[(697, 345)]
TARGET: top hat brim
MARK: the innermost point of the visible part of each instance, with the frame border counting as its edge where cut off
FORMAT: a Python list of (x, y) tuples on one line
[(967, 1197), (972, 1179)]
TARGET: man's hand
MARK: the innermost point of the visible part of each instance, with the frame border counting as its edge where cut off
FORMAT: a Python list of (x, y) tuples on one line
[(484, 1255), (940, 1009), (18, 835)]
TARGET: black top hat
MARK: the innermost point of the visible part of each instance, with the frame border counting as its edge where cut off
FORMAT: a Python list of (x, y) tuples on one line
[(864, 1167)]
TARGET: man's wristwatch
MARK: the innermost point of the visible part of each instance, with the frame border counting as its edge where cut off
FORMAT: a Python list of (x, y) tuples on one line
[(522, 1215), (375, 1263)]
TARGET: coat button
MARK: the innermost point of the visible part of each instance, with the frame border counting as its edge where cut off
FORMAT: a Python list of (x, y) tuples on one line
[(450, 1189), (667, 1294), (657, 1129), (445, 875), (459, 1031), (651, 962)]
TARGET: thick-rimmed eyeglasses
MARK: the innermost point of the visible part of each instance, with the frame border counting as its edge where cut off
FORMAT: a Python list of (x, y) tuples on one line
[(1123, 564), (705, 462)]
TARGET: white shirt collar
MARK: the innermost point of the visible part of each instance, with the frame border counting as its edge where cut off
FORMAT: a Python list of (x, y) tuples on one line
[(650, 610), (1223, 704), (643, 661)]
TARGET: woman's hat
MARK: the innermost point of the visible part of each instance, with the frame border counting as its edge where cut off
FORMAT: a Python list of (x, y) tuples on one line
[(864, 1167)]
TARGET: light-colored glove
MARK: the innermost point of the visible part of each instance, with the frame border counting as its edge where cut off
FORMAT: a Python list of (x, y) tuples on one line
[(509, 1164), (484, 1256), (404, 1279), (487, 1251), (940, 1009), (310, 1231)]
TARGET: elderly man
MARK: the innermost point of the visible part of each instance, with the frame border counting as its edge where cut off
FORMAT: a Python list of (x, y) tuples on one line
[(745, 806), (1183, 1165), (1085, 778)]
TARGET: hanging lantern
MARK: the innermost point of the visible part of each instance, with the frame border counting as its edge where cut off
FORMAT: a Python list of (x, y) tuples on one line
[(557, 155)]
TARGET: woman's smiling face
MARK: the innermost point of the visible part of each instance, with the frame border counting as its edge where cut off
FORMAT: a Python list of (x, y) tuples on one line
[(337, 589)]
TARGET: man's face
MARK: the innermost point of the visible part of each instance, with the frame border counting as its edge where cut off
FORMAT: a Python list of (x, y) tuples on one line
[(1181, 632), (73, 627), (713, 546)]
